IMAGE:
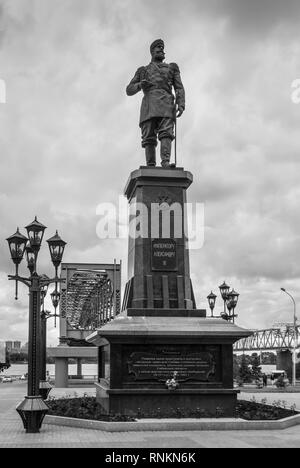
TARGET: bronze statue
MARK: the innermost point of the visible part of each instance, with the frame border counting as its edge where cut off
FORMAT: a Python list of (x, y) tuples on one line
[(159, 108)]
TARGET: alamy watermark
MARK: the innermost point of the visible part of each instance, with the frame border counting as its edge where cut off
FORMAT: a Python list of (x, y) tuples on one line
[(154, 221), (295, 95), (2, 92)]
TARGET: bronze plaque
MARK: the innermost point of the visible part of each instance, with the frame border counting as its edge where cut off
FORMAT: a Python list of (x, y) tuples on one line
[(160, 365), (164, 255)]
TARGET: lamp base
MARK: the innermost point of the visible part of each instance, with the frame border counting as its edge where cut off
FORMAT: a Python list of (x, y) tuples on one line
[(32, 411)]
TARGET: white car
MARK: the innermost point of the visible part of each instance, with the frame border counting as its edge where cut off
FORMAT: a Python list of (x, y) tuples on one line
[(7, 379)]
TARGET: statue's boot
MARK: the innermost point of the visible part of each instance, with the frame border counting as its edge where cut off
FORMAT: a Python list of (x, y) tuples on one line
[(165, 151), (150, 155)]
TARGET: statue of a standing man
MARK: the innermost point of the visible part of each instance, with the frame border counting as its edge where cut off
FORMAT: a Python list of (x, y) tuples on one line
[(159, 106)]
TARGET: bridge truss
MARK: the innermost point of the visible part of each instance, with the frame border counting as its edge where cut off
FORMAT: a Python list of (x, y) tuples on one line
[(270, 339), (90, 297)]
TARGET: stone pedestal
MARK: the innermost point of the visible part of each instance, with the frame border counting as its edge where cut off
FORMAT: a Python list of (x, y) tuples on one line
[(160, 333), (158, 260), (146, 350)]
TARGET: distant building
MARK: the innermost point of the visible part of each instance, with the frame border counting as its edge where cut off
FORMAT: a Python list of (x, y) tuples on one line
[(2, 352), (13, 346), (17, 346), (9, 346)]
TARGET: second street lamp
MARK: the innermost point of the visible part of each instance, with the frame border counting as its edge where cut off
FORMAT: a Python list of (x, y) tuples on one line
[(231, 302), (224, 290), (212, 301), (295, 337), (230, 299), (45, 387), (55, 298)]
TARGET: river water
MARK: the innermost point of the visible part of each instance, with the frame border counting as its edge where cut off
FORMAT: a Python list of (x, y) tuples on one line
[(20, 369)]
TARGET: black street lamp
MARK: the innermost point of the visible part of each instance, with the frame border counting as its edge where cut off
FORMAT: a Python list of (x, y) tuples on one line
[(45, 387), (17, 244), (56, 247), (32, 409), (35, 232), (224, 290), (295, 337), (230, 299), (55, 298), (212, 302)]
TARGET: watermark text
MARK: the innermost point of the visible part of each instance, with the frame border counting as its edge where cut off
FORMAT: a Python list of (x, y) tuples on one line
[(152, 221)]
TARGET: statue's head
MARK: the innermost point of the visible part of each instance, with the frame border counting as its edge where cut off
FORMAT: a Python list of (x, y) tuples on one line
[(157, 50)]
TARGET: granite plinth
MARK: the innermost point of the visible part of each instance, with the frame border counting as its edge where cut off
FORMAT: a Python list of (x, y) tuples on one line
[(140, 324), (145, 351), (158, 257)]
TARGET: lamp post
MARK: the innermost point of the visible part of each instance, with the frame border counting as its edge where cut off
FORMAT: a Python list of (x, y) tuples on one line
[(295, 337), (32, 409), (230, 299), (45, 387)]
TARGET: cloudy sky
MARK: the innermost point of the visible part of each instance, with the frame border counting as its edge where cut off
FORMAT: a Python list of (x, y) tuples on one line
[(69, 136)]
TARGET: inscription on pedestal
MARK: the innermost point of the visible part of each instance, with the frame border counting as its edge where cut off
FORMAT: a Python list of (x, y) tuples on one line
[(164, 255), (161, 364)]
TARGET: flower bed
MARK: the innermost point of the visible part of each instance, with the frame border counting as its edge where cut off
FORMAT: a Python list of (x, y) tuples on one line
[(83, 408), (87, 408), (255, 411)]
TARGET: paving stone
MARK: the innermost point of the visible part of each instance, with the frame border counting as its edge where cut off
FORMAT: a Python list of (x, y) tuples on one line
[(12, 434)]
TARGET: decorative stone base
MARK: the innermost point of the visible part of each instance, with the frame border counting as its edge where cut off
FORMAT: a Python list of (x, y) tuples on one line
[(146, 350), (151, 403)]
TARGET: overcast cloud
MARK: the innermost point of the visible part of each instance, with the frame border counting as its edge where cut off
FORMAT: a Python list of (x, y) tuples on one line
[(69, 135)]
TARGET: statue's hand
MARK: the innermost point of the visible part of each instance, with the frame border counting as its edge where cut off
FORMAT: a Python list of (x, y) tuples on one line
[(179, 111), (146, 85)]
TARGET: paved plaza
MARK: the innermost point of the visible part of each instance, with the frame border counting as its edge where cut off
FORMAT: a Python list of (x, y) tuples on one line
[(12, 433)]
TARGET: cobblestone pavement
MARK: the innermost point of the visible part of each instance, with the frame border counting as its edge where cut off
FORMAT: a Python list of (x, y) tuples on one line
[(12, 433)]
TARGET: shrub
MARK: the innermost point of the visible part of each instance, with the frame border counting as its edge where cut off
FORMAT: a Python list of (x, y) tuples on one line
[(87, 408), (83, 408), (252, 410)]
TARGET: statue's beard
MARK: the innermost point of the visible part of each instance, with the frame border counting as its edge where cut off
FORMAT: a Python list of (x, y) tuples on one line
[(159, 56)]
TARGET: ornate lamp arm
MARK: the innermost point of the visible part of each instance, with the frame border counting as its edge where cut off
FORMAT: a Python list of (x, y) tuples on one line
[(21, 279)]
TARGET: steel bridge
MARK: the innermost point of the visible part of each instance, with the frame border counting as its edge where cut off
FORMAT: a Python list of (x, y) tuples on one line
[(276, 338), (90, 297)]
